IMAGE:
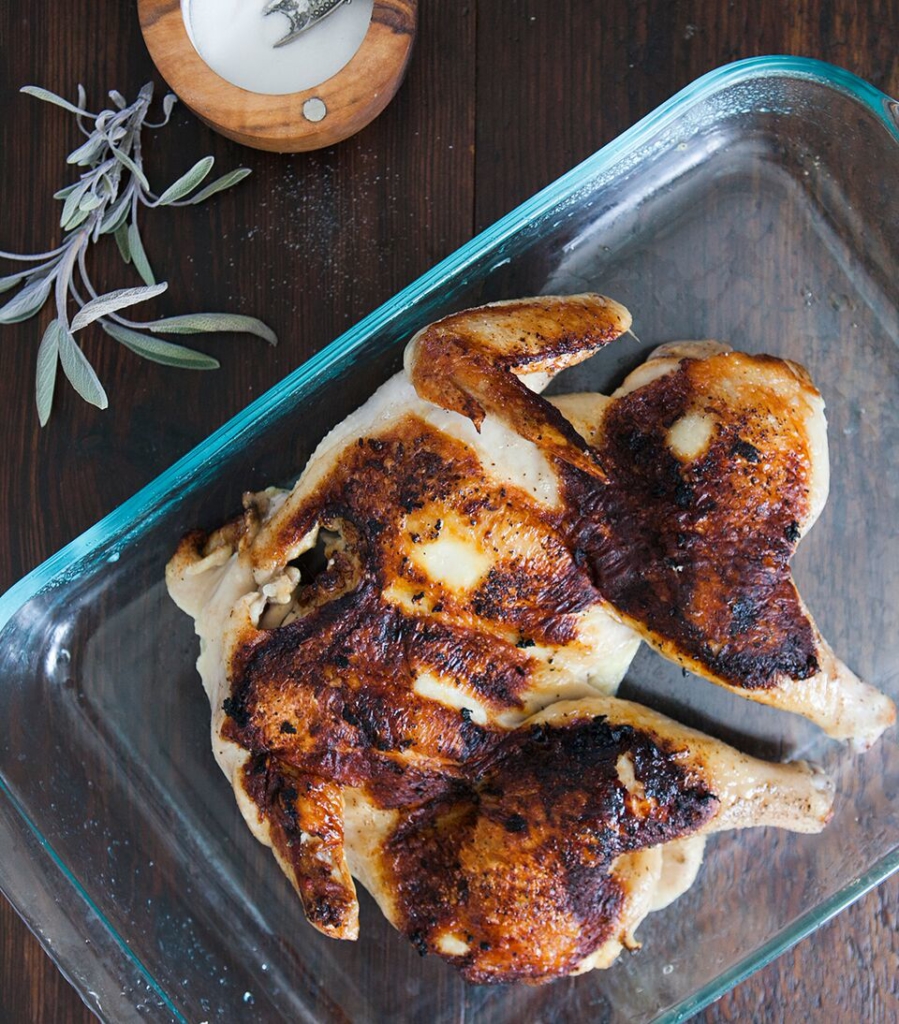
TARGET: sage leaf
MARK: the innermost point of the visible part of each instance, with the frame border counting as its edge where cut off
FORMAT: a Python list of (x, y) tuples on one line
[(159, 351), (187, 182), (112, 184), (70, 207), (121, 237), (10, 282), (113, 301), (77, 218), (220, 184), (116, 216), (27, 302), (51, 97), (87, 151), (45, 376), (126, 161), (81, 374), (206, 323), (139, 255)]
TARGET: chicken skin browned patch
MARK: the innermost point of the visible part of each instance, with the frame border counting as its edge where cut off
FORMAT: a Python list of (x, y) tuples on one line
[(429, 710)]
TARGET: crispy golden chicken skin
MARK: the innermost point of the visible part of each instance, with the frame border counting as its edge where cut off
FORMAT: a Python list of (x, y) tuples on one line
[(449, 609)]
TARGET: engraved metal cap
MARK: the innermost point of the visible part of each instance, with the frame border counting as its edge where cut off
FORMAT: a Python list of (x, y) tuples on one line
[(302, 14)]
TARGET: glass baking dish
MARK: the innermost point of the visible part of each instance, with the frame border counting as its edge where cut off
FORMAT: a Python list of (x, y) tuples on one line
[(757, 206)]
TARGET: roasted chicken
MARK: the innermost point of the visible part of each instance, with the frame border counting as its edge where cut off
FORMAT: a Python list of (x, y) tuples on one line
[(429, 710)]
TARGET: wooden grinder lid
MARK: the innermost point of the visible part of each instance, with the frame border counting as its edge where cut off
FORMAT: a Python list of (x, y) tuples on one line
[(311, 119)]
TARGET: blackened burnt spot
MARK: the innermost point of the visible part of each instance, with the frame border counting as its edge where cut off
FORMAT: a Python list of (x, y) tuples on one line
[(538, 733), (792, 532), (683, 495), (420, 943), (744, 613), (288, 727), (325, 912), (235, 709), (515, 823), (620, 733), (475, 738), (525, 642), (638, 444), (745, 450), (793, 658), (369, 718), (466, 714)]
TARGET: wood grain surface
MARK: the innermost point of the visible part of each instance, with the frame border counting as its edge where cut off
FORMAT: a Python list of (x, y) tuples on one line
[(500, 98)]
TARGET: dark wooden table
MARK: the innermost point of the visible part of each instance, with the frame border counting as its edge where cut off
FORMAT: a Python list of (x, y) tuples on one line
[(500, 99)]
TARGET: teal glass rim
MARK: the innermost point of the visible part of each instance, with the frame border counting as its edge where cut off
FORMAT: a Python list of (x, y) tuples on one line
[(112, 533)]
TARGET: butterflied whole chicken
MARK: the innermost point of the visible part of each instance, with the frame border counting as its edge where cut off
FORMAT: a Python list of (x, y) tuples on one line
[(429, 711)]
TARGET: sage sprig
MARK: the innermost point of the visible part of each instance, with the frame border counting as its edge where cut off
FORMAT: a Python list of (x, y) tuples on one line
[(106, 200)]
